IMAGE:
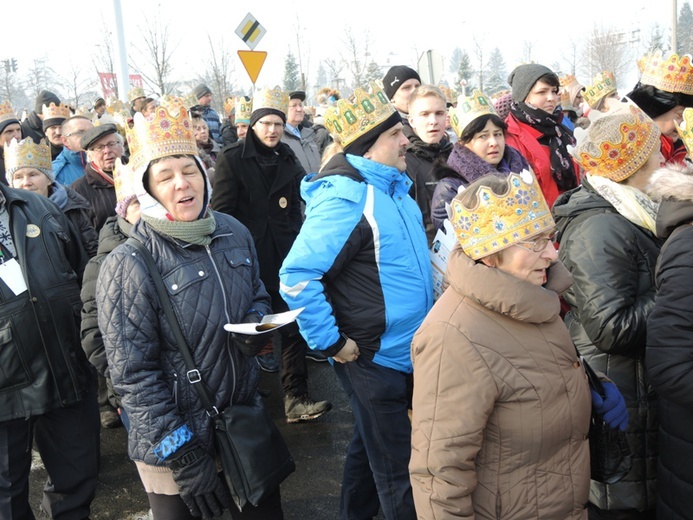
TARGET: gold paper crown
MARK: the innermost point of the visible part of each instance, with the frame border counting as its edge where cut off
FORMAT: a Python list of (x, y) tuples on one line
[(160, 135), (685, 130), (228, 105), (499, 221), (671, 73), (190, 100), (618, 143), (244, 108), (7, 112), (468, 109), (602, 85), (568, 81), (271, 98), (27, 154), (124, 180), (135, 92), (173, 103), (54, 111), (351, 121)]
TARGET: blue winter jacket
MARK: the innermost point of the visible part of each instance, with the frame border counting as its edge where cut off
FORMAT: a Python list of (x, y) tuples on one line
[(360, 265), (68, 166)]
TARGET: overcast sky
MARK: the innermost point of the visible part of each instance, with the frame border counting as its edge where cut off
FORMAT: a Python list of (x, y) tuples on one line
[(69, 31)]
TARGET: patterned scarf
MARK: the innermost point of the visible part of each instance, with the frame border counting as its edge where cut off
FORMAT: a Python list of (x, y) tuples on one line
[(630, 202), (472, 167), (558, 138)]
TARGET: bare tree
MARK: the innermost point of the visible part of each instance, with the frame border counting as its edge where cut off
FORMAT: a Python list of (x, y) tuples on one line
[(76, 84), (40, 77), (479, 54), (572, 56), (334, 68), (527, 48), (219, 72), (11, 88), (357, 51), (607, 49), (155, 61), (103, 59)]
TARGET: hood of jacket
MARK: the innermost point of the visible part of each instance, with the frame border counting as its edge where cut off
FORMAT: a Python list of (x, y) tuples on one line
[(428, 151), (672, 186)]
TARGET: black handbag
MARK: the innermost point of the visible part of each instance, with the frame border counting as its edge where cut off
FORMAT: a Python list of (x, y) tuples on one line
[(254, 456), (610, 455)]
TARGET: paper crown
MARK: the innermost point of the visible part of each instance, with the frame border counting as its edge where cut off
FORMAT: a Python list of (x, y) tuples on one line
[(685, 129), (27, 154), (54, 111), (602, 85), (351, 121), (617, 144), (135, 93), (468, 109), (567, 81), (190, 100), (671, 73), (271, 98), (173, 103), (161, 134), (7, 112), (123, 179), (498, 221), (243, 108)]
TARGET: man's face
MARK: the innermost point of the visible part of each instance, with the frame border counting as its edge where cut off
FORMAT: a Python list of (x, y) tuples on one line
[(427, 118), (242, 130), (401, 97), (73, 132), (11, 131), (390, 148), (104, 152), (53, 133), (296, 112), (269, 130), (205, 100)]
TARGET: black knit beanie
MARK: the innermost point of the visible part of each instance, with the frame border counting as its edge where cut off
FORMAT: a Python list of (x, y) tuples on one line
[(201, 90), (262, 112), (55, 121), (4, 124), (395, 77), (523, 78), (45, 97), (363, 143)]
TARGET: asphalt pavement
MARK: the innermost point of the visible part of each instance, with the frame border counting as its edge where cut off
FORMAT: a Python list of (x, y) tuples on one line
[(310, 493)]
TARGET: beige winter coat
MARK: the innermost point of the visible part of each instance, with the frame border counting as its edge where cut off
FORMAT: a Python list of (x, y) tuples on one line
[(501, 403)]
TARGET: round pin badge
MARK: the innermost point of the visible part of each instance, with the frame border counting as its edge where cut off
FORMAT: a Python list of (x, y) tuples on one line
[(32, 231), (283, 202)]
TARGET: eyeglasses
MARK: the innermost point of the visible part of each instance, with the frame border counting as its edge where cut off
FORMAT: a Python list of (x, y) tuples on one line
[(269, 124), (538, 244), (112, 145), (78, 133)]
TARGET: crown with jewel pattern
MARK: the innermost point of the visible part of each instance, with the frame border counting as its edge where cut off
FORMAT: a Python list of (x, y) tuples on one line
[(671, 72), (244, 107), (496, 222), (685, 129), (568, 83), (135, 93), (123, 180), (352, 120), (161, 134), (468, 109), (27, 154), (53, 111), (602, 85), (173, 103), (274, 98), (618, 143), (7, 113)]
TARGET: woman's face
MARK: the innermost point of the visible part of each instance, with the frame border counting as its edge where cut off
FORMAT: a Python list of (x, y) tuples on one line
[(132, 213), (488, 144), (666, 122), (31, 179), (543, 96), (522, 262), (201, 131), (178, 184)]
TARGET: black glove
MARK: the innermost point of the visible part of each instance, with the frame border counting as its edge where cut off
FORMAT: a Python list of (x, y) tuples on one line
[(251, 345), (202, 490)]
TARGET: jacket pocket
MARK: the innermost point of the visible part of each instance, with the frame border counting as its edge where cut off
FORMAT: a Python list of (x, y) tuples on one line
[(14, 372)]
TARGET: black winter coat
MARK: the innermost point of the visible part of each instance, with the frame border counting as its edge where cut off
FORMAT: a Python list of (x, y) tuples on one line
[(613, 261), (32, 127), (669, 345), (272, 215), (99, 192), (79, 211), (209, 286), (43, 366)]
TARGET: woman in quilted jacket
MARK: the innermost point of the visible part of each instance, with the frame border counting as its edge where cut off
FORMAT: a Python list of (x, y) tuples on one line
[(209, 266)]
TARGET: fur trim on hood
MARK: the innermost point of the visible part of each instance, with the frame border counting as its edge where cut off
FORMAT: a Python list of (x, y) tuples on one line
[(671, 182)]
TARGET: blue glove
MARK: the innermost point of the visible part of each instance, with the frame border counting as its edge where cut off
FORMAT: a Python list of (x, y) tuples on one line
[(612, 407)]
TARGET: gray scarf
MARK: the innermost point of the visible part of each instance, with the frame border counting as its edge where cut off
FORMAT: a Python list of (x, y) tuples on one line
[(197, 232)]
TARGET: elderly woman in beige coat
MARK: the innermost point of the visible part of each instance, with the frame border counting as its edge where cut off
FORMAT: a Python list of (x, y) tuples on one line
[(501, 406)]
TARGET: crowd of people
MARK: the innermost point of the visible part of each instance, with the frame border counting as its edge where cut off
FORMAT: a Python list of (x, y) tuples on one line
[(570, 205)]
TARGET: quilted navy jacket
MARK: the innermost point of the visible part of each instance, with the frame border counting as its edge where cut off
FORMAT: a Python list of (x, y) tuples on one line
[(209, 286)]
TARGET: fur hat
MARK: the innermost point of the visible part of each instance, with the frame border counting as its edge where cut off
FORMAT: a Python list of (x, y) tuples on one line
[(523, 78), (395, 77)]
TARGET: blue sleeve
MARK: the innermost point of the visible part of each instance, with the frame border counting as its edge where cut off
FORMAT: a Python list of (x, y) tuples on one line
[(320, 247)]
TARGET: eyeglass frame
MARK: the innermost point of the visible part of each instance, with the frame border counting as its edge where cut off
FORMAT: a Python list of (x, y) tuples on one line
[(538, 244), (78, 132), (110, 146)]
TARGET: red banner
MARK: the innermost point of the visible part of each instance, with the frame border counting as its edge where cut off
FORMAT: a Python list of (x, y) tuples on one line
[(109, 83)]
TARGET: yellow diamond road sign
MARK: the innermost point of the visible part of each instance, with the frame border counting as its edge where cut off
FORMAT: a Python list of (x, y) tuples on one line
[(250, 31)]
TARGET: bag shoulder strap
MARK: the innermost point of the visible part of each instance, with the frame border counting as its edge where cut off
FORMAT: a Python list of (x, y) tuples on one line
[(194, 376)]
